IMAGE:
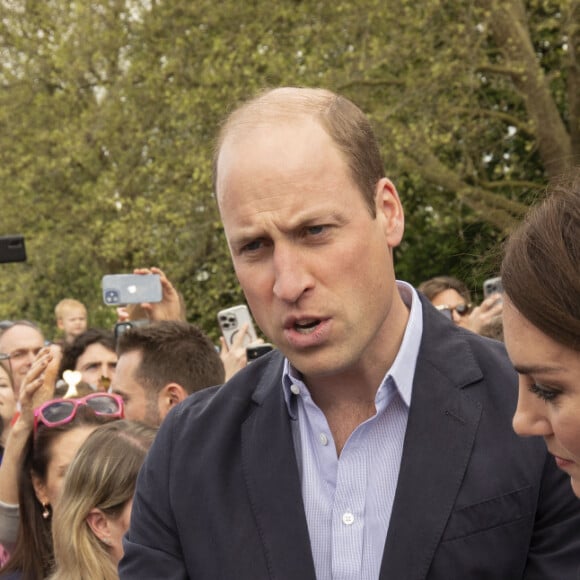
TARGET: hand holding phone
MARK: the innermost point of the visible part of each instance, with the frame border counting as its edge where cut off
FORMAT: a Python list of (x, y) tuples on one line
[(232, 320), (492, 286)]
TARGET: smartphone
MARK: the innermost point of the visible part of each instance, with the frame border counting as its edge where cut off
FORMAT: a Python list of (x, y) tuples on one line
[(492, 286), (12, 249), (256, 351), (232, 319), (120, 289), (122, 327)]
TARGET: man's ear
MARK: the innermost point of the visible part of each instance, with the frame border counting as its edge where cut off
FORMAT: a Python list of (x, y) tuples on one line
[(390, 209), (99, 525), (39, 489), (169, 396)]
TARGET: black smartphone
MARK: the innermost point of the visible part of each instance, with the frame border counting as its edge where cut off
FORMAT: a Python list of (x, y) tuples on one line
[(122, 327), (254, 352), (12, 249)]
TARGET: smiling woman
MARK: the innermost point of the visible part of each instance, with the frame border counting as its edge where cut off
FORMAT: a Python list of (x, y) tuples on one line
[(542, 323)]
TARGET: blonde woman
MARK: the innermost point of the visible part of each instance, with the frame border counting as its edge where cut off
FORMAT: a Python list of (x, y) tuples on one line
[(95, 507)]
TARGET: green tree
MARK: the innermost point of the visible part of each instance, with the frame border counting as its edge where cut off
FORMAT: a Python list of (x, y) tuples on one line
[(108, 111)]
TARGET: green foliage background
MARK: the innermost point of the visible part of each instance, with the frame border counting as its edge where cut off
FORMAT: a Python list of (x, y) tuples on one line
[(109, 108)]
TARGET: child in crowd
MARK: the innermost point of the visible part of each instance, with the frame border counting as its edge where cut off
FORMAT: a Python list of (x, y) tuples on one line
[(71, 318)]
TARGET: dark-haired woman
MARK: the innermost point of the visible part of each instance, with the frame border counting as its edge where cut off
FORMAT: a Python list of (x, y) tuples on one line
[(541, 279), (59, 429)]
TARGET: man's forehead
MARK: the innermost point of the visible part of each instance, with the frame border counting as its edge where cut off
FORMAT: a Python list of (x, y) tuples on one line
[(20, 335), (243, 141)]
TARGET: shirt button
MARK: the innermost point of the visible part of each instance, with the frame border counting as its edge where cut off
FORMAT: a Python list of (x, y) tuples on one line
[(295, 389), (323, 439), (347, 518)]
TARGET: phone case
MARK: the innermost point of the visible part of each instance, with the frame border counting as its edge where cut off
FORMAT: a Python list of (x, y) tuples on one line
[(491, 286), (119, 289), (232, 319)]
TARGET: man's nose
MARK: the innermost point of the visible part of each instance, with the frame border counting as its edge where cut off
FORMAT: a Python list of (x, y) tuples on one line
[(30, 356), (291, 276)]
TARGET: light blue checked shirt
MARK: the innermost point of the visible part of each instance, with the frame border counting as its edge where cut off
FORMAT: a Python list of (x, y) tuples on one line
[(348, 500)]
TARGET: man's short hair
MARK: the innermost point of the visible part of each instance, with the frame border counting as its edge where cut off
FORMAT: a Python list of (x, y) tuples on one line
[(439, 284), (173, 352), (343, 121), (73, 351), (67, 304)]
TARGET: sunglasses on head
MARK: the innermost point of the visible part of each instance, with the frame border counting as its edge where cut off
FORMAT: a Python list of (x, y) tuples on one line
[(461, 309), (61, 411)]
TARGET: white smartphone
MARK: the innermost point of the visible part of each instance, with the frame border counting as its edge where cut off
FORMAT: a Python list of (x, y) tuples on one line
[(492, 286), (120, 289), (231, 321)]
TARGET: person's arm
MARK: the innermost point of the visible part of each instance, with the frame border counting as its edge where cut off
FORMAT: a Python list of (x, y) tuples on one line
[(152, 547), (234, 357), (38, 382)]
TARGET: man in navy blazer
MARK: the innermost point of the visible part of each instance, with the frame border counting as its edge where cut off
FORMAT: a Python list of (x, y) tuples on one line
[(376, 442)]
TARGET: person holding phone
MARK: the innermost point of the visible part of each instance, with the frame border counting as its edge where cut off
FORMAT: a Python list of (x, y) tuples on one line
[(376, 440), (452, 298), (541, 281)]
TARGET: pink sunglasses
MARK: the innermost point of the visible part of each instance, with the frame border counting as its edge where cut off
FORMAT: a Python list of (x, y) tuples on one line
[(61, 411)]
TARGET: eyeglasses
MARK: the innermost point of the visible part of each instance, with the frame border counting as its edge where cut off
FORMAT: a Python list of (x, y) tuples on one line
[(61, 411), (461, 309), (5, 362)]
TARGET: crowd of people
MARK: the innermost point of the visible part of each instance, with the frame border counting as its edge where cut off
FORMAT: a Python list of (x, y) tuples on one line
[(387, 435)]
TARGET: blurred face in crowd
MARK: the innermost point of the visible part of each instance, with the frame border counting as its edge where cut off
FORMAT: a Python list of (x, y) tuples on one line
[(315, 266), (61, 453), (140, 403), (450, 298), (73, 322), (7, 398), (22, 343), (97, 366), (549, 390)]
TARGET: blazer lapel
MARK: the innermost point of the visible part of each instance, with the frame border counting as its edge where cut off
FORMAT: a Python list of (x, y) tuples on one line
[(440, 434), (273, 484)]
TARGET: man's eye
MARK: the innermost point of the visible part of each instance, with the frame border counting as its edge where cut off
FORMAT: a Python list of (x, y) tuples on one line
[(543, 392), (253, 246), (315, 230)]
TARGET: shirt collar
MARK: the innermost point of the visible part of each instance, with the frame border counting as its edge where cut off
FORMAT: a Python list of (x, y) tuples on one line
[(400, 374)]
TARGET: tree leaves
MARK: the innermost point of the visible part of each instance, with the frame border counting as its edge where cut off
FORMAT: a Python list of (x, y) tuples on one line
[(108, 111)]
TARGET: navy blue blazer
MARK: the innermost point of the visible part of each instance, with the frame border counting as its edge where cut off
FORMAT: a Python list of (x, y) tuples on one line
[(219, 496)]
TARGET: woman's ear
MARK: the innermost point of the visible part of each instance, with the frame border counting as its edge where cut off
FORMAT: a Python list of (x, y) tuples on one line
[(39, 489), (99, 525)]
